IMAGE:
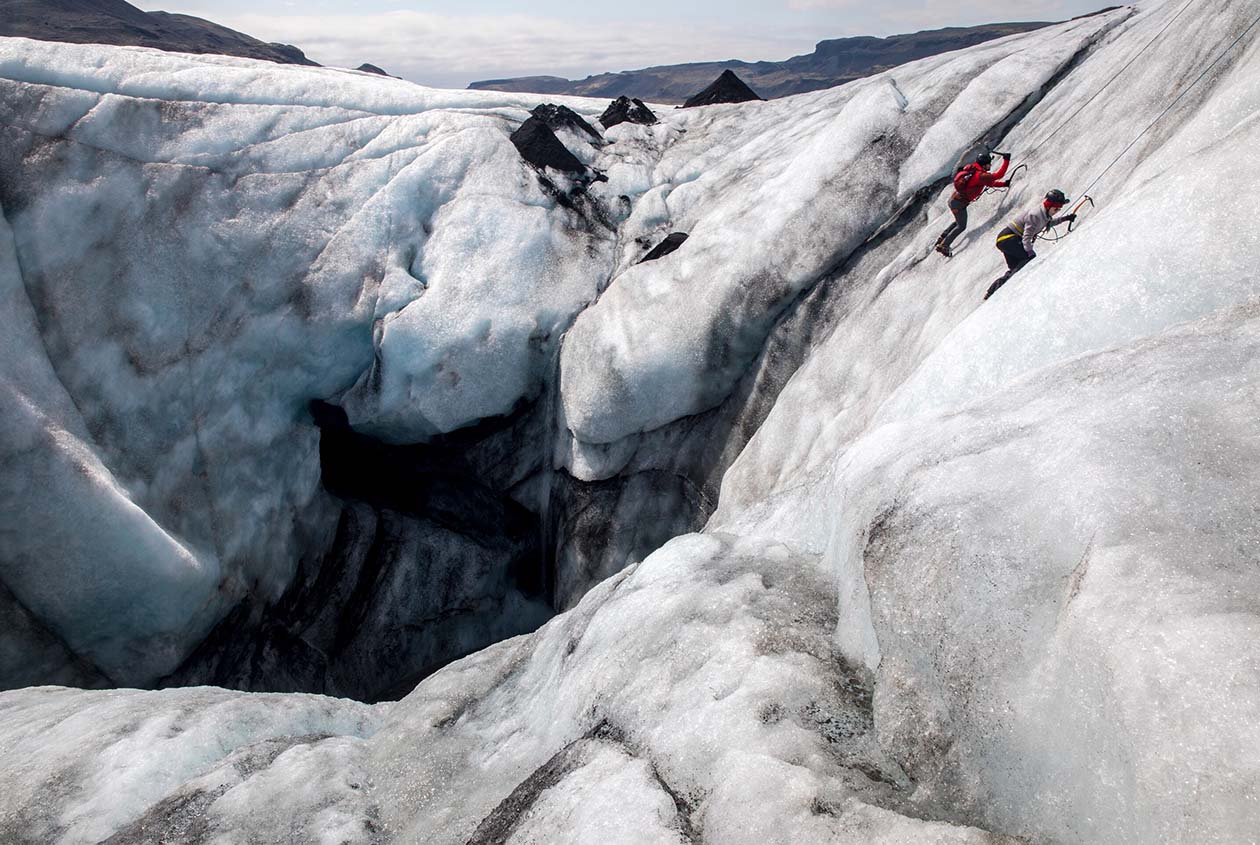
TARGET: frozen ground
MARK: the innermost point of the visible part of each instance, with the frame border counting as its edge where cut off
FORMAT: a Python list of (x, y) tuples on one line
[(986, 573)]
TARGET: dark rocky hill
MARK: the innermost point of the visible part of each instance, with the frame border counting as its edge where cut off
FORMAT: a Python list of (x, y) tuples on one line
[(727, 88), (120, 23), (833, 62)]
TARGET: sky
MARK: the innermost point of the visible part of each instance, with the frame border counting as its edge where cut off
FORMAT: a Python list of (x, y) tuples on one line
[(451, 44)]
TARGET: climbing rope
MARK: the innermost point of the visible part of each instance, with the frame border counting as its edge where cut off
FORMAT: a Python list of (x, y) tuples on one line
[(1183, 93), (1051, 236), (1058, 236), (1010, 180), (1161, 115), (1107, 84)]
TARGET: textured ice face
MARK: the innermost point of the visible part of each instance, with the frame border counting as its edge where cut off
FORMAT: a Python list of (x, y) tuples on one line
[(983, 568), (698, 691), (773, 195), (85, 766), (1148, 256), (1058, 587), (183, 274)]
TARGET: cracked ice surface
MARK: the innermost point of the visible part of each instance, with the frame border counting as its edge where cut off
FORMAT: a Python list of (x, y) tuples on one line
[(817, 174), (186, 264), (985, 571), (85, 766), (697, 690)]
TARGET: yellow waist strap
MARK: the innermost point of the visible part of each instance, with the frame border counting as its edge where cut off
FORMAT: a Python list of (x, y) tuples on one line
[(1007, 235)]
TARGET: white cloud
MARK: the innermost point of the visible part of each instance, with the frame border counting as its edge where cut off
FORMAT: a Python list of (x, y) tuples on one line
[(812, 5), (453, 50), (910, 15)]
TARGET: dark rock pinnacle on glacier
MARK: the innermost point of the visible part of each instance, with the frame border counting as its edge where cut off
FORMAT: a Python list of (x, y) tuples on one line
[(672, 241), (538, 145), (563, 117), (626, 110), (727, 88)]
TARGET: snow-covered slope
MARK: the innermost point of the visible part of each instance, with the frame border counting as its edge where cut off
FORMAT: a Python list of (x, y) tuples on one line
[(981, 570)]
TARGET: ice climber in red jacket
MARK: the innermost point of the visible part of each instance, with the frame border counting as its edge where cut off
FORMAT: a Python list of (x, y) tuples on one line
[(969, 184)]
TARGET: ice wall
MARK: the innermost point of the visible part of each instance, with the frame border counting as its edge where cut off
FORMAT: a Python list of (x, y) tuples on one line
[(774, 196), (1148, 259), (272, 236), (187, 264), (985, 571)]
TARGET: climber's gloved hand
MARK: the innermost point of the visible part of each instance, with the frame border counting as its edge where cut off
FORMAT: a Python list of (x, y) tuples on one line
[(1071, 218), (1031, 255), (1006, 156)]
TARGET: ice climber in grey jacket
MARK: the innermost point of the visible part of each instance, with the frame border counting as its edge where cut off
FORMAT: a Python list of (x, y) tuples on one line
[(1018, 236)]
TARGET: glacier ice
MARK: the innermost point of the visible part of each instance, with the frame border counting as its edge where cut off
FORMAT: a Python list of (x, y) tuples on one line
[(131, 758), (977, 573), (818, 173), (255, 258)]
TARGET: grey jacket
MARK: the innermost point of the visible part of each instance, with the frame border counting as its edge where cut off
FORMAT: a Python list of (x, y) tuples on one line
[(1032, 223)]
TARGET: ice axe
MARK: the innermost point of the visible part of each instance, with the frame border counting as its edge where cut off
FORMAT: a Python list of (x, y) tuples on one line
[(1058, 236), (1079, 204)]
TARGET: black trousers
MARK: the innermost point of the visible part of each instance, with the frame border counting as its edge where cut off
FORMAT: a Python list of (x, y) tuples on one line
[(1012, 247), (953, 230)]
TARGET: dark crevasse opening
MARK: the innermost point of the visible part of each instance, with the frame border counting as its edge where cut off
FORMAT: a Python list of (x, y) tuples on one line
[(447, 547), (429, 562), (441, 549)]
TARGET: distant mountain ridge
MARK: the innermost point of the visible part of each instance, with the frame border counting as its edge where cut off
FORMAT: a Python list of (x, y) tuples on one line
[(834, 61), (119, 23)]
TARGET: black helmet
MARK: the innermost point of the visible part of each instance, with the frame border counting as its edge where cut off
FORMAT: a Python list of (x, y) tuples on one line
[(984, 159), (1056, 197)]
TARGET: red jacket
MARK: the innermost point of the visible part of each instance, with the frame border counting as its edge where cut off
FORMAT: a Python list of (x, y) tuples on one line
[(978, 179)]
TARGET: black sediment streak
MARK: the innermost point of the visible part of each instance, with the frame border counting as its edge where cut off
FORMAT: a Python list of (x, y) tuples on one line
[(498, 827)]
